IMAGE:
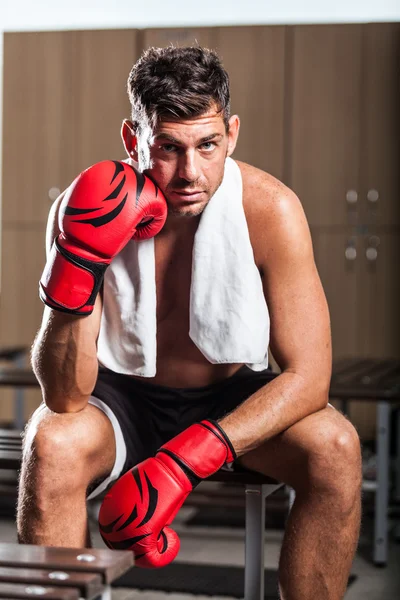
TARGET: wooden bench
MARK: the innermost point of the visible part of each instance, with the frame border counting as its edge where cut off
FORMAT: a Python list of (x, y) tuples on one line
[(10, 462), (16, 357), (10, 449), (256, 488), (60, 573), (377, 380), (13, 353)]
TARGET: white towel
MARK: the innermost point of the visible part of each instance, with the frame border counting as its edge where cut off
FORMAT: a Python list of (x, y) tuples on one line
[(229, 320)]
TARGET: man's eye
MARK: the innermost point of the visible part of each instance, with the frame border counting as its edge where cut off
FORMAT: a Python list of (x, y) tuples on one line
[(168, 148), (208, 146)]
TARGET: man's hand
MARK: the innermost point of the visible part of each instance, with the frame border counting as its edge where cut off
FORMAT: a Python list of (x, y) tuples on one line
[(136, 512), (106, 206)]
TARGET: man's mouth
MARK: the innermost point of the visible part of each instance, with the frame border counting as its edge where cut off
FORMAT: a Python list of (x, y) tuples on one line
[(188, 194)]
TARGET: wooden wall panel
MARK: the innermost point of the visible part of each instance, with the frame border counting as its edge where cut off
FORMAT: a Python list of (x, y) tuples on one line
[(102, 62), (7, 406), (338, 277), (23, 259), (64, 101), (378, 281), (32, 399), (380, 129), (351, 307), (255, 60), (39, 116), (325, 119)]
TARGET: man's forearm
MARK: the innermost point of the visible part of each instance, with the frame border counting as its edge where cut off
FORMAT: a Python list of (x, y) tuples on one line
[(276, 406), (64, 359)]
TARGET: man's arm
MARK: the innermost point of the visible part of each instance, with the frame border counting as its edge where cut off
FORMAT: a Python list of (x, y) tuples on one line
[(300, 338), (64, 353)]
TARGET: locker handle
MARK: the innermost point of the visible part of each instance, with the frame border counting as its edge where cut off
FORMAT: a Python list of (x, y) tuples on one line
[(371, 253)]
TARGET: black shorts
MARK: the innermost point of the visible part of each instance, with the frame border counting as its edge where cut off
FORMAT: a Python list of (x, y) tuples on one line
[(146, 415)]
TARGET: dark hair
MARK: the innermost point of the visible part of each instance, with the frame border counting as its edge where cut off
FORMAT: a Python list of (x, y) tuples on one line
[(177, 82)]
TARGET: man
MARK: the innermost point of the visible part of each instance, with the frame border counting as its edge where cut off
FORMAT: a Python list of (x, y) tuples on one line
[(96, 425)]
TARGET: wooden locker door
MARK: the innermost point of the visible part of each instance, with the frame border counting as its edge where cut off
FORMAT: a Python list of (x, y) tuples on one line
[(338, 257), (380, 131), (32, 399), (23, 256), (379, 286), (377, 314), (324, 117), (334, 256), (102, 61), (39, 114), (64, 101), (255, 60)]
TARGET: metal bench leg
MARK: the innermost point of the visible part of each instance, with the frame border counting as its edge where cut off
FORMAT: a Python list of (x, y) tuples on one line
[(254, 542), (106, 595), (396, 529), (382, 490), (397, 490)]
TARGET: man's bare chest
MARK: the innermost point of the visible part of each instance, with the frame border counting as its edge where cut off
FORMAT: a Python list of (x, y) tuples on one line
[(173, 262)]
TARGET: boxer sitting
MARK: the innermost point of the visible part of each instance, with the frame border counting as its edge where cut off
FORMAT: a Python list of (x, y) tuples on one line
[(153, 351)]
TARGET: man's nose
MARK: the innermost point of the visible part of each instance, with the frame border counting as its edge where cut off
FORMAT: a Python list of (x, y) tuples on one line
[(188, 168)]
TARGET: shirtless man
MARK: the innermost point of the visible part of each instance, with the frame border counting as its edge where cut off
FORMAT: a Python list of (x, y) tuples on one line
[(180, 135)]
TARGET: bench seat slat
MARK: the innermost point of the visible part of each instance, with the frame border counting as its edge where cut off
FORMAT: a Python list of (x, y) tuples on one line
[(17, 590), (18, 377), (12, 352), (12, 441), (7, 445), (89, 584), (110, 564), (245, 477), (10, 433), (10, 459)]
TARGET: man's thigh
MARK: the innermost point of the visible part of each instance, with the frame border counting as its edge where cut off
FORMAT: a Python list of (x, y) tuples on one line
[(317, 442)]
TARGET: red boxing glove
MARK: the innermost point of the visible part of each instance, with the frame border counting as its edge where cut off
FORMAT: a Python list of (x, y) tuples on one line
[(136, 512), (106, 206)]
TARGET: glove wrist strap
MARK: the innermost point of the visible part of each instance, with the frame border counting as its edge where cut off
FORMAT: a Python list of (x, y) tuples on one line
[(202, 448), (69, 282)]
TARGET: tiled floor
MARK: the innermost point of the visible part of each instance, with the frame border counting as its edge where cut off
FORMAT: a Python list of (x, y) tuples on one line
[(225, 546)]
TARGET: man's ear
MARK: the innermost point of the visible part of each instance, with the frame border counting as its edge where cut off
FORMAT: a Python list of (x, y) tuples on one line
[(129, 139), (233, 133)]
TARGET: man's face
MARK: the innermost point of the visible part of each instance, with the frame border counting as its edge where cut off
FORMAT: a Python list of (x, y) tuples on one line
[(186, 159)]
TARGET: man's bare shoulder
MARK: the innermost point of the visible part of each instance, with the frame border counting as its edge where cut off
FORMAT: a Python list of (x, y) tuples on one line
[(261, 190), (273, 211)]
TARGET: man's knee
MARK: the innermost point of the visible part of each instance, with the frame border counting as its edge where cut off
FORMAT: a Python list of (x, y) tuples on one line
[(334, 461), (68, 449)]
